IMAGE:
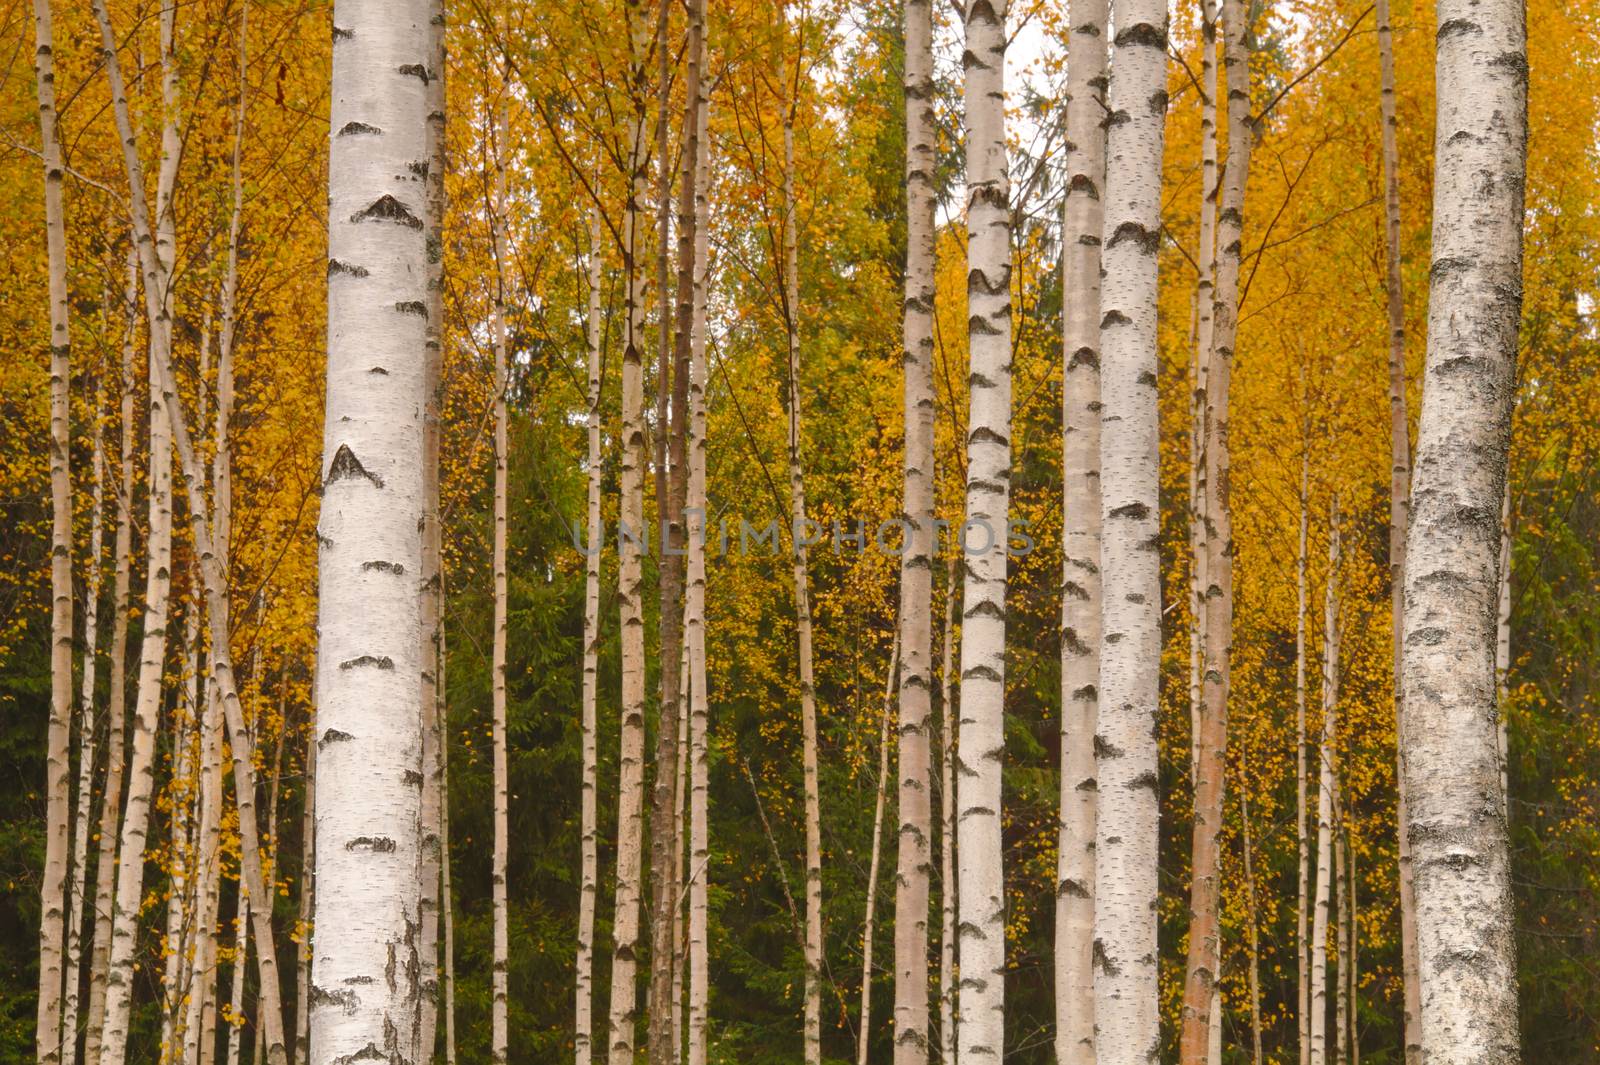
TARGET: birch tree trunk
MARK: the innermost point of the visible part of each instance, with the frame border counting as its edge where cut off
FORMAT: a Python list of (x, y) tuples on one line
[(583, 1043), (665, 837), (369, 701), (981, 892), (157, 249), (86, 750), (116, 708), (630, 587), (1126, 832), (1082, 220), (1211, 742), (947, 828), (499, 1038), (241, 956), (182, 794), (695, 617), (1399, 508), (432, 593), (1302, 759), (1255, 927), (863, 1029), (1502, 651), (1327, 785), (1339, 1044), (914, 839), (802, 587), (308, 888), (1455, 819), (52, 886), (446, 895)]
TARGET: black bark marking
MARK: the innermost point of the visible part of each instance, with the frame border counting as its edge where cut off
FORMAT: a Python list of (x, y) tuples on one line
[(333, 735), (414, 70), (388, 209), (1114, 317), (336, 267), (1455, 27), (356, 129), (1142, 35), (1072, 889), (383, 662), (416, 307), (345, 466), (1135, 511), (384, 567), (375, 844), (348, 1001), (1146, 240)]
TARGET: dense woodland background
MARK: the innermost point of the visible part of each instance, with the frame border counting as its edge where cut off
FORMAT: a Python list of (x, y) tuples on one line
[(1310, 380)]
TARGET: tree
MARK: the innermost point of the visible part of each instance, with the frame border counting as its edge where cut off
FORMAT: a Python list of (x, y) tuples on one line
[(49, 1035), (1455, 813), (369, 699), (981, 890), (1327, 789), (914, 839), (499, 1039), (1082, 220), (1126, 831)]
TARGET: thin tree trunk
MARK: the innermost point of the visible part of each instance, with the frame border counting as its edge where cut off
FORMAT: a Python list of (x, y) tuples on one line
[(914, 839), (86, 750), (52, 886), (802, 581), (1399, 510), (446, 894), (874, 863), (1353, 944), (370, 617), (1255, 927), (1082, 219), (947, 827), (1211, 744), (499, 1038), (1460, 853), (432, 735), (695, 617), (1339, 1044), (1502, 651), (181, 797), (631, 542), (1327, 786), (272, 864), (116, 709), (308, 887), (241, 957), (1302, 760), (665, 838), (1126, 832), (681, 835), (588, 888)]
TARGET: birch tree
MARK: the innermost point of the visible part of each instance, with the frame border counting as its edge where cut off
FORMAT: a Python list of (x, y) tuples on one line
[(1455, 813), (1126, 832), (1082, 220), (1302, 758), (1211, 741), (588, 888), (499, 1037), (695, 614), (874, 862), (1327, 784), (914, 839), (52, 886), (947, 825), (812, 939), (630, 585), (981, 890), (369, 712), (116, 707), (1399, 504)]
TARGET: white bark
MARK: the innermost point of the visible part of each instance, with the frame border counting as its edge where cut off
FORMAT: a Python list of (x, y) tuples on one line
[(695, 616), (914, 846), (630, 588), (52, 886), (367, 912), (1502, 651), (1399, 507), (588, 888), (499, 1038), (1455, 819), (947, 827), (241, 956), (1327, 785), (1126, 833), (447, 986), (308, 887), (116, 708), (812, 939), (177, 978), (1080, 588), (874, 863), (86, 751), (1302, 759), (981, 928), (432, 592)]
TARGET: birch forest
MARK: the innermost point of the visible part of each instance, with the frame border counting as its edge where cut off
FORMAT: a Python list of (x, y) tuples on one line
[(830, 532)]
